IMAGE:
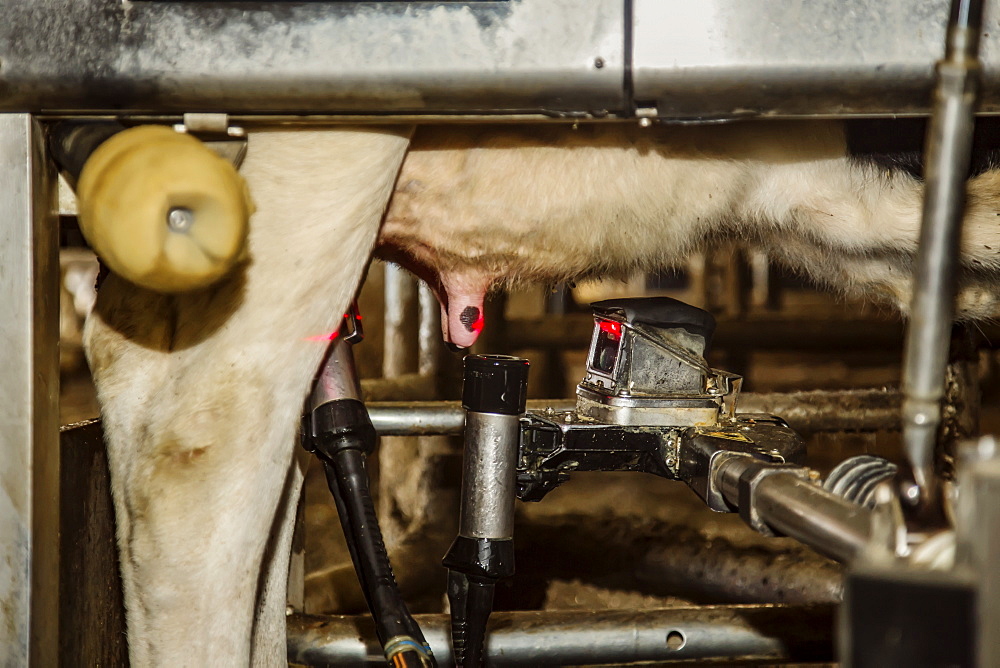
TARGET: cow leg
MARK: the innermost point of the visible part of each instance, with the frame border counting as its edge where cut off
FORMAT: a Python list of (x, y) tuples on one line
[(268, 646), (201, 395)]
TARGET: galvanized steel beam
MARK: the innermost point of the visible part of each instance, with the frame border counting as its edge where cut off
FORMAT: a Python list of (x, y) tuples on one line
[(29, 398)]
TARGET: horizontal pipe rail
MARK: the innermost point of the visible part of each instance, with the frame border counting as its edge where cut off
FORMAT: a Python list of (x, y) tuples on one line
[(828, 410), (553, 638), (809, 412), (435, 418)]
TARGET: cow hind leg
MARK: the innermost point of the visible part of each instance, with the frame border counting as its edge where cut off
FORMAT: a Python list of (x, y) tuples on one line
[(201, 395)]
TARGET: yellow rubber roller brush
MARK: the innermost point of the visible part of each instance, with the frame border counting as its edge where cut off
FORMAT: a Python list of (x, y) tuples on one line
[(162, 210)]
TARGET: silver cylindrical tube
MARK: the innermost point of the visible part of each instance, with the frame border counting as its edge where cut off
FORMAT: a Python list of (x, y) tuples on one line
[(489, 476), (429, 344), (494, 394), (399, 355), (337, 377), (814, 411), (723, 634), (949, 145), (802, 510), (829, 524), (446, 418)]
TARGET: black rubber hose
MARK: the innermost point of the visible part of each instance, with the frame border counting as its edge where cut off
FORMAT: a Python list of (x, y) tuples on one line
[(458, 594), (72, 142), (348, 482), (348, 527), (479, 605)]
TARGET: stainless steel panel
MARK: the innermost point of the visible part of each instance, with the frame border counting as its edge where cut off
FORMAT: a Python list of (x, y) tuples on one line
[(29, 398), (321, 57), (732, 58)]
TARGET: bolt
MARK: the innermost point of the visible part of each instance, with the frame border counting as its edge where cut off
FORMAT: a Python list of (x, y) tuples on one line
[(180, 219), (598, 62)]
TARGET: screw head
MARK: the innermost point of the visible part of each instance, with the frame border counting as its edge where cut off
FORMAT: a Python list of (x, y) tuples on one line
[(180, 219)]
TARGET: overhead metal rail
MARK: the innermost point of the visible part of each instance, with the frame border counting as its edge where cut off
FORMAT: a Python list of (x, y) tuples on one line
[(507, 59)]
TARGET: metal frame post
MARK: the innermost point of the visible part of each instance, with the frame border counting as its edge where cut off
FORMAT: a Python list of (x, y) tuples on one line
[(399, 355), (29, 397), (935, 277)]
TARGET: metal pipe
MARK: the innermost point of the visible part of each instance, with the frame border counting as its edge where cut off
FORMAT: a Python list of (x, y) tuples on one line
[(825, 522), (399, 352), (429, 334), (949, 143), (809, 412), (802, 510), (337, 378), (436, 418), (828, 410), (488, 489), (552, 638)]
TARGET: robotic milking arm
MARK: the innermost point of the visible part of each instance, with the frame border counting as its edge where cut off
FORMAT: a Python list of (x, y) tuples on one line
[(649, 403)]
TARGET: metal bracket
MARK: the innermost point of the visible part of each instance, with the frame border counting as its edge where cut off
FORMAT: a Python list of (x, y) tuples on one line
[(353, 331), (214, 130)]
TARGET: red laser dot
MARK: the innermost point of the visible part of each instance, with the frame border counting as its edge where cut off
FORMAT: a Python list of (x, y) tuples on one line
[(478, 325), (611, 327), (324, 337)]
